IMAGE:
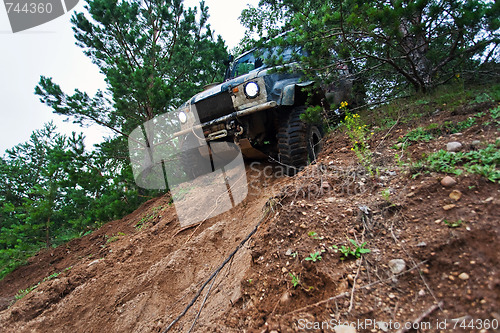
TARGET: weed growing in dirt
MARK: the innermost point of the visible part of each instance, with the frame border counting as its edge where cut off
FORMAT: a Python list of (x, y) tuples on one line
[(359, 135), (154, 214), (314, 235), (430, 132), (495, 116), (386, 194), (453, 224), (295, 280), (316, 256), (347, 252), (114, 238), (481, 98), (23, 292), (482, 162)]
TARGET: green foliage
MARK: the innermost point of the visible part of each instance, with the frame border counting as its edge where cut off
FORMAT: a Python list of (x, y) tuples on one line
[(359, 135), (386, 194), (391, 44), (430, 132), (52, 190), (348, 252), (295, 280), (453, 224), (154, 55), (312, 115), (316, 256), (481, 98), (314, 235), (495, 116), (483, 162)]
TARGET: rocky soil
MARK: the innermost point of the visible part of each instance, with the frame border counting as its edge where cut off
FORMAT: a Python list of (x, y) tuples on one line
[(432, 264)]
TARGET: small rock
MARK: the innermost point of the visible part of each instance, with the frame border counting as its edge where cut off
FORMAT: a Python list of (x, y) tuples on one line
[(397, 265), (284, 270), (236, 296), (409, 195), (453, 146), (331, 199), (475, 143), (448, 181), (448, 207), (303, 226), (285, 298), (288, 252), (488, 200), (464, 276), (455, 195), (93, 262), (421, 292), (422, 244), (391, 296), (344, 329), (451, 277)]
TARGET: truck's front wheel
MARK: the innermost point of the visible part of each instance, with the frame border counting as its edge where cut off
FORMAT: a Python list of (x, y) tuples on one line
[(192, 162), (298, 142)]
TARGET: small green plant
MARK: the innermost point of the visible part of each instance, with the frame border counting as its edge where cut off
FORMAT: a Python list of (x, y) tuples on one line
[(347, 251), (295, 280), (23, 292), (453, 224), (316, 256), (359, 135), (314, 235), (483, 162), (114, 238), (386, 194), (495, 116), (481, 98), (312, 115)]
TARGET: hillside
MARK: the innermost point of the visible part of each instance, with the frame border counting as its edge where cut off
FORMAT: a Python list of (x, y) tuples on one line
[(433, 243)]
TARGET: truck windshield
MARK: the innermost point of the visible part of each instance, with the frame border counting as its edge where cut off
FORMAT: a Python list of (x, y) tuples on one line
[(256, 60)]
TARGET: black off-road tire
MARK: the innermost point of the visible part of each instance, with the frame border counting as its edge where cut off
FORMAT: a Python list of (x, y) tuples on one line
[(298, 142)]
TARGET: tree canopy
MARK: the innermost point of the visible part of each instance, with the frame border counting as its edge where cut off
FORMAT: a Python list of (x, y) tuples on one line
[(154, 54), (417, 43)]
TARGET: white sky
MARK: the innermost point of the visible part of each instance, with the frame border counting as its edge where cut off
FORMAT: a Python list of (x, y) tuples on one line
[(50, 50)]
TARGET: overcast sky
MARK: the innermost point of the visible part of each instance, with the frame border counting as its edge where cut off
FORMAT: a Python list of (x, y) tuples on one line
[(50, 50)]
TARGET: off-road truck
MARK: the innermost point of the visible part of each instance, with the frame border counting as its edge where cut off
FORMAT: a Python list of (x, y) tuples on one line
[(258, 108)]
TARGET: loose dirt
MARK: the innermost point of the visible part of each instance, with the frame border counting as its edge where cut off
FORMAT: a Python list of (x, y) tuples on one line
[(139, 273)]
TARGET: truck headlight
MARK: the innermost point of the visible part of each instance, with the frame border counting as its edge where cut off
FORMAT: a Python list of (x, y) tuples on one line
[(182, 117), (251, 89)]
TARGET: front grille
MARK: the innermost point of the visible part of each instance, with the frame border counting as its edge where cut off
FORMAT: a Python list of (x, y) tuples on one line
[(214, 107)]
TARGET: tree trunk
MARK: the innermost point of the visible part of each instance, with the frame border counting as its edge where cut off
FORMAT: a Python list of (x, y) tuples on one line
[(416, 46)]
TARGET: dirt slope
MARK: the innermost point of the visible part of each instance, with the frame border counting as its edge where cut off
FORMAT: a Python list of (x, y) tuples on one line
[(139, 273)]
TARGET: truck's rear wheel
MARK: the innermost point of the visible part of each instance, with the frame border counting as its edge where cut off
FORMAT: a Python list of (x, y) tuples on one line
[(298, 142)]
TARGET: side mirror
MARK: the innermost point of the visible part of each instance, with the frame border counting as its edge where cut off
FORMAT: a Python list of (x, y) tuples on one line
[(229, 60), (227, 63)]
